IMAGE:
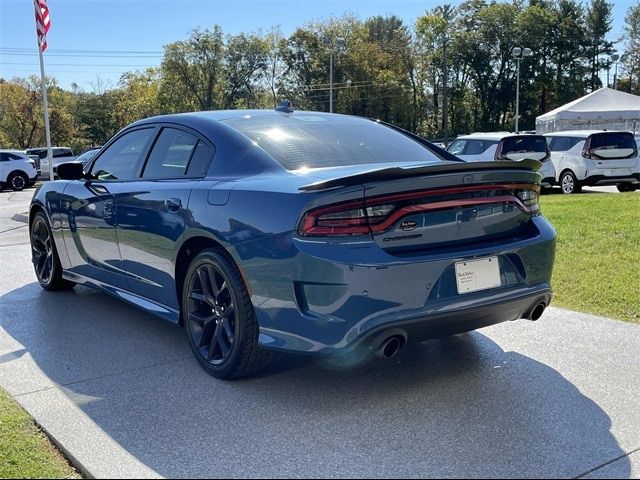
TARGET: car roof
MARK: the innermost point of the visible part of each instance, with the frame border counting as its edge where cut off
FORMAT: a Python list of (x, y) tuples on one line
[(580, 133), (8, 150), (497, 136)]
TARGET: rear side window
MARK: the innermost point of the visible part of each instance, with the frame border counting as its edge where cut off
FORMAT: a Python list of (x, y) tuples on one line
[(476, 147), (4, 157), (562, 144), (301, 141), (175, 154), (120, 159), (41, 152)]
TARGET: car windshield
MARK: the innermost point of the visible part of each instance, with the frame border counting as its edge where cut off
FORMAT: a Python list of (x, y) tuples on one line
[(87, 156), (314, 141)]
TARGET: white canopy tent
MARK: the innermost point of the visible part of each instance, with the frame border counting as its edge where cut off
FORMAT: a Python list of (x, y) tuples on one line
[(604, 109)]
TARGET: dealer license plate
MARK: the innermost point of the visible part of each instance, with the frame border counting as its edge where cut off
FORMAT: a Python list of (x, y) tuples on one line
[(475, 275)]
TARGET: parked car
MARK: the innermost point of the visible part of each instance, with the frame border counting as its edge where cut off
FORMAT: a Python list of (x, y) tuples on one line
[(17, 170), (595, 157), (478, 147), (296, 231), (60, 155), (82, 159)]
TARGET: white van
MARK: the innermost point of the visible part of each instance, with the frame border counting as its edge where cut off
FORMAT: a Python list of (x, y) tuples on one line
[(481, 147), (595, 157)]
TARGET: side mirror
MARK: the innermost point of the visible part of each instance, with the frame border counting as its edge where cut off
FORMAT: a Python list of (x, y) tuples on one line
[(70, 171), (523, 147)]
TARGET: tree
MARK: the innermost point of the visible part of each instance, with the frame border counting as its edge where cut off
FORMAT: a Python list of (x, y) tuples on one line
[(599, 18), (193, 71), (20, 113), (632, 50), (245, 62)]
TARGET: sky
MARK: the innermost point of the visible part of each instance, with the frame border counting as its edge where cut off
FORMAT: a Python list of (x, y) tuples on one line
[(94, 42)]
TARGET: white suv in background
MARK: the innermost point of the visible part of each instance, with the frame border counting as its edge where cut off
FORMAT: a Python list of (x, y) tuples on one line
[(481, 147), (595, 157), (17, 170)]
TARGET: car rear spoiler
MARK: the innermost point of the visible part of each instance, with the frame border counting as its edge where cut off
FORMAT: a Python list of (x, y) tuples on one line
[(404, 172)]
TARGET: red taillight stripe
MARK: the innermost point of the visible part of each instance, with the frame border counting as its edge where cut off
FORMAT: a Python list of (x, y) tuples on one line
[(312, 223), (430, 207)]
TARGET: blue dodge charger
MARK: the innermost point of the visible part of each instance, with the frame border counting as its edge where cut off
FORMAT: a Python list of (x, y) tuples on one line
[(302, 232)]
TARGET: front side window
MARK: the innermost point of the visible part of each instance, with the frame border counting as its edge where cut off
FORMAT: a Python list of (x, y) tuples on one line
[(120, 159), (476, 147)]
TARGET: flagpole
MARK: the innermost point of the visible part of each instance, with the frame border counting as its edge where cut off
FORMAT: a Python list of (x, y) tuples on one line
[(45, 105)]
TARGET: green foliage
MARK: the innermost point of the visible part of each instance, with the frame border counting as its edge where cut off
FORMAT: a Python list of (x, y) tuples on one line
[(632, 50)]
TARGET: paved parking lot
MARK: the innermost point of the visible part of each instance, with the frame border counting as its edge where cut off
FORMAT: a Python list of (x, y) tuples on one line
[(119, 391)]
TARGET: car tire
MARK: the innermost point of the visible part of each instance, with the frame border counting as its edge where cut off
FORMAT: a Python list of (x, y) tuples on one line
[(569, 183), (44, 255), (626, 187), (219, 318), (17, 181)]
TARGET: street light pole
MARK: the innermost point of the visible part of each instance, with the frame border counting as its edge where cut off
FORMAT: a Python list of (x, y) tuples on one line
[(340, 42), (519, 53), (615, 57), (331, 81)]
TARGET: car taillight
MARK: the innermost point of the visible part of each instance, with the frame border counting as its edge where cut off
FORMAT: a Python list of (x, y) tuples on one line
[(530, 199), (378, 214)]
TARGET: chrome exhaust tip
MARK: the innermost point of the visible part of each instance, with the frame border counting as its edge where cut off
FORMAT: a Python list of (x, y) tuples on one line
[(390, 347)]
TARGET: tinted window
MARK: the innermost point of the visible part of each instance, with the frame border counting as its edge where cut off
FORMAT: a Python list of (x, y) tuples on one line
[(457, 147), (612, 140), (13, 156), (524, 143), (562, 144), (120, 160), (41, 152), (200, 160), (62, 152), (312, 141), (476, 147), (171, 154), (4, 157)]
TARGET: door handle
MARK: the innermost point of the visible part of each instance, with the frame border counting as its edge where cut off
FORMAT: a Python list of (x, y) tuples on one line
[(173, 204)]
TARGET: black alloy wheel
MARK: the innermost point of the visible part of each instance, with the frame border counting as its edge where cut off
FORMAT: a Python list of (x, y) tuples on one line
[(212, 314), (219, 318), (45, 257), (17, 181)]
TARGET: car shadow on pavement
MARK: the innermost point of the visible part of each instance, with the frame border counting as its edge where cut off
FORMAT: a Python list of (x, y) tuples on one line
[(458, 407)]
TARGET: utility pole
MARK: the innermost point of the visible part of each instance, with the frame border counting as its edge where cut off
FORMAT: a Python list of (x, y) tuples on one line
[(340, 42), (445, 112)]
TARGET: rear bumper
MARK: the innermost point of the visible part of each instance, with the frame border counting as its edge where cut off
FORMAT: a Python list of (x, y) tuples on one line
[(548, 182), (605, 180), (518, 305), (317, 302)]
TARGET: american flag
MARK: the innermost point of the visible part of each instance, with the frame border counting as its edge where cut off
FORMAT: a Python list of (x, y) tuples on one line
[(43, 23)]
